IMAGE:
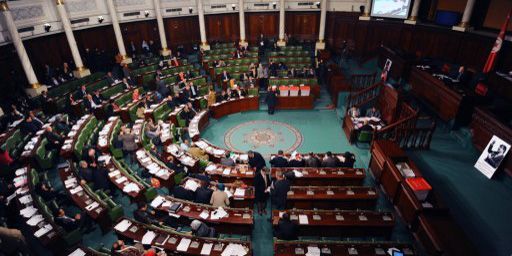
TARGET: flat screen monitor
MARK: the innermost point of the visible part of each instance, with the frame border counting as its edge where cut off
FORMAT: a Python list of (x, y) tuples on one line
[(397, 253), (396, 9)]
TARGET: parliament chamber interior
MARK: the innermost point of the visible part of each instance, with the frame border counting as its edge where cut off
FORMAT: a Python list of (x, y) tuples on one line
[(256, 127)]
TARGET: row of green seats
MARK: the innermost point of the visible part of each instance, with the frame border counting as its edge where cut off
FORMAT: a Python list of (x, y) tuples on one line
[(73, 85), (220, 51), (70, 238), (291, 59), (86, 137), (293, 81), (226, 56), (149, 77), (116, 152), (222, 45), (232, 69), (241, 61), (15, 143), (150, 192), (111, 91), (45, 158), (139, 71)]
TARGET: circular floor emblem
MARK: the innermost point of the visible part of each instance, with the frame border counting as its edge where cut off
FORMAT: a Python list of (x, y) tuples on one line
[(263, 136)]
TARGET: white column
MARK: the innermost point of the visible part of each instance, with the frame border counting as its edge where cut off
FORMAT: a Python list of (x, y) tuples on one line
[(161, 29), (241, 15), (35, 88), (281, 41), (367, 9), (117, 31), (80, 71), (202, 29), (320, 45), (466, 17), (413, 17)]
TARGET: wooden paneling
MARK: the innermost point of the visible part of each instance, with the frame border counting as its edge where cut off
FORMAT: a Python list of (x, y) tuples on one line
[(88, 38), (222, 27), (182, 31), (303, 25), (137, 31), (262, 23)]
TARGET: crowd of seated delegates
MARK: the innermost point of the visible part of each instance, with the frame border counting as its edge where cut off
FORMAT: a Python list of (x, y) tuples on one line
[(121, 247), (305, 72), (311, 160), (54, 77)]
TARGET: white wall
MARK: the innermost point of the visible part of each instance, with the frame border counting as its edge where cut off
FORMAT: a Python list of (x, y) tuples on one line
[(36, 13)]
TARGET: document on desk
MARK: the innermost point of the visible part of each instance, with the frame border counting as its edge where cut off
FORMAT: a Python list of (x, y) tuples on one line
[(77, 252), (28, 212), (204, 215), (218, 214), (92, 206), (157, 201), (313, 251), (234, 250), (191, 185), (34, 220), (148, 237), (207, 248), (183, 245), (239, 192), (303, 219), (76, 190), (123, 226), (43, 231)]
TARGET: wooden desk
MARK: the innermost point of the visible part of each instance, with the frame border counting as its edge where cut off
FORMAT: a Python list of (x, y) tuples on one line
[(440, 235), (164, 174), (181, 157), (172, 239), (340, 248), (339, 176), (341, 223), (106, 134), (295, 102), (245, 201), (197, 124), (116, 173), (229, 107), (238, 221), (67, 152), (385, 156), (332, 197), (484, 125), (445, 101), (85, 197), (238, 172)]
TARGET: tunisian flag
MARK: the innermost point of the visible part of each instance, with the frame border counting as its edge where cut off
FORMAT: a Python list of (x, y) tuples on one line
[(491, 60), (497, 46)]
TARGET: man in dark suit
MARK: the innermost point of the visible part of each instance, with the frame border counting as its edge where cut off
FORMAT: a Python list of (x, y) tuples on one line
[(85, 173), (54, 139), (279, 161), (286, 229), (110, 78), (82, 93), (203, 194), (329, 160), (29, 126), (271, 100), (225, 76), (70, 224), (101, 179), (279, 192), (297, 161), (142, 214), (256, 160), (182, 193), (193, 90), (312, 160), (161, 87), (97, 98)]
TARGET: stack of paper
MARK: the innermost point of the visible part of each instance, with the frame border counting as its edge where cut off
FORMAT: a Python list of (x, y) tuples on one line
[(234, 250), (34, 220), (43, 231), (313, 251), (183, 245), (191, 185), (218, 214), (148, 237), (157, 201), (239, 192), (303, 219), (207, 248), (123, 225)]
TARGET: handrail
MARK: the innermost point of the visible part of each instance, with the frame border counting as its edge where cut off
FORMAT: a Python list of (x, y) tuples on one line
[(362, 81), (364, 96)]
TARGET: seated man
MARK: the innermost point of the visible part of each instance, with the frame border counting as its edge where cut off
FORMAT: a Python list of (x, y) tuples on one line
[(85, 173), (54, 139), (181, 192), (227, 160), (329, 160), (200, 229), (350, 159), (353, 112), (142, 214), (373, 112), (70, 224), (312, 160), (203, 194), (297, 161), (279, 161), (219, 197), (286, 229)]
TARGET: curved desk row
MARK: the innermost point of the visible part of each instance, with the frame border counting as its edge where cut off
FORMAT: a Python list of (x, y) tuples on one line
[(232, 106), (311, 176), (340, 248)]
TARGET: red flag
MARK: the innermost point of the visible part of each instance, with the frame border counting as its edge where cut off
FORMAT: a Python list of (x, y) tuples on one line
[(497, 46)]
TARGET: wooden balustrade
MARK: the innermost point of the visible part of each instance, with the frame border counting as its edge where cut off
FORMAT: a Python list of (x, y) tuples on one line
[(403, 129), (362, 81), (364, 96)]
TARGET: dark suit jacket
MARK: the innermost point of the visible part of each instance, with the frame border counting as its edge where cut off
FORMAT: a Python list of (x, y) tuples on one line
[(182, 193), (257, 161), (313, 162), (279, 162), (86, 174), (203, 195), (69, 224), (287, 230), (329, 162), (143, 216), (280, 191), (101, 179), (296, 163), (260, 187)]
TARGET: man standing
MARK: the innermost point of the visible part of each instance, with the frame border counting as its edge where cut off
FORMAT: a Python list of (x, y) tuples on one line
[(256, 160), (271, 100), (279, 192)]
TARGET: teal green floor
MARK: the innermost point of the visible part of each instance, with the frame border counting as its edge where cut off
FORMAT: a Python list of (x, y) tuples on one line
[(481, 206), (321, 132)]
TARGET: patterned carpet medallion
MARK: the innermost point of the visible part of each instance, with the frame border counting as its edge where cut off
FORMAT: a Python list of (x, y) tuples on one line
[(264, 136)]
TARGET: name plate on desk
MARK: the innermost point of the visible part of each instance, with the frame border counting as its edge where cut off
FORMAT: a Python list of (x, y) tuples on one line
[(371, 192), (363, 218), (299, 251), (350, 192), (310, 193), (341, 172), (294, 217), (330, 192), (290, 193), (317, 217), (340, 218), (322, 173)]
